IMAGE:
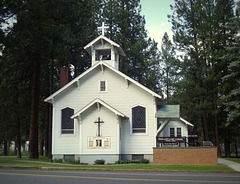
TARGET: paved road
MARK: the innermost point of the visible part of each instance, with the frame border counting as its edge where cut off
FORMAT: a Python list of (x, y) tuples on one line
[(62, 177)]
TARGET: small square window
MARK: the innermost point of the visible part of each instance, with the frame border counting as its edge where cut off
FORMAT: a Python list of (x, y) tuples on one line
[(103, 86)]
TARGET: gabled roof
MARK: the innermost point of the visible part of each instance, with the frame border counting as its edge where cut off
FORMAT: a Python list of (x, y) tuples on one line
[(168, 111), (99, 103), (167, 120), (101, 64), (102, 37)]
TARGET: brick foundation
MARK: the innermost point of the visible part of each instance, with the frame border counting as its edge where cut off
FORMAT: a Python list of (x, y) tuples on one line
[(186, 155)]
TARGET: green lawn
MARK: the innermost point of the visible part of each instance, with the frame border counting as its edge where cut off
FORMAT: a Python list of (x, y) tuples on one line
[(233, 159), (45, 162)]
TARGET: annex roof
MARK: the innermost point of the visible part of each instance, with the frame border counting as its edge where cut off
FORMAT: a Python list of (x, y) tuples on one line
[(168, 111), (101, 38), (101, 64), (99, 103)]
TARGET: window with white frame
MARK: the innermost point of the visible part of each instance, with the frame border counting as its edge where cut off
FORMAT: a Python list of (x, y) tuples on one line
[(172, 132), (179, 132), (138, 119), (67, 121), (102, 86)]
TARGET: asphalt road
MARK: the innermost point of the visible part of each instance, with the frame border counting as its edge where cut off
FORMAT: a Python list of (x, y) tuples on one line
[(62, 177)]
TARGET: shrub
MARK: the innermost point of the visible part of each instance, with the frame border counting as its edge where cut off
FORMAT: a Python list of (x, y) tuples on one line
[(144, 161), (99, 162), (122, 162), (59, 160), (72, 161)]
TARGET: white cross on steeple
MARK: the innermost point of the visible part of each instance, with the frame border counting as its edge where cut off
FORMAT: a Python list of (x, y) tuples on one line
[(103, 27)]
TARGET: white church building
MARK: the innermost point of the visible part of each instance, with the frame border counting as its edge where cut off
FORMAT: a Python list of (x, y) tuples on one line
[(104, 114)]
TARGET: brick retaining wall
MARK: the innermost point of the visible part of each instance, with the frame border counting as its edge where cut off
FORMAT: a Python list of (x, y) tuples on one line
[(186, 155)]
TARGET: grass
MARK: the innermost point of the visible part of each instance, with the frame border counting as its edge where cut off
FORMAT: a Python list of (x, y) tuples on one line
[(45, 162), (233, 159)]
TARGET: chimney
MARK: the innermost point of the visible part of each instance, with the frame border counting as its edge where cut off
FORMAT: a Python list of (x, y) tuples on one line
[(63, 76)]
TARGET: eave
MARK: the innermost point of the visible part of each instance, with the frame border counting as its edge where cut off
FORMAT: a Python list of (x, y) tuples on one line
[(99, 104), (76, 81)]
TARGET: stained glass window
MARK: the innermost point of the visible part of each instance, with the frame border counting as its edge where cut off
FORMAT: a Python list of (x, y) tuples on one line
[(138, 119), (67, 121)]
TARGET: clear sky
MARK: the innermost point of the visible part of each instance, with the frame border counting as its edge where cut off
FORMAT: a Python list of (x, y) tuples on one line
[(155, 13)]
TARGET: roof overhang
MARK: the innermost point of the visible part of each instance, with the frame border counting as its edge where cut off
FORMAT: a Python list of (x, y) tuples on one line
[(101, 37), (186, 122), (167, 120), (101, 64), (99, 103)]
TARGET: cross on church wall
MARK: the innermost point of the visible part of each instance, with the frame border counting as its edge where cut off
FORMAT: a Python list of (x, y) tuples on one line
[(103, 27), (98, 122)]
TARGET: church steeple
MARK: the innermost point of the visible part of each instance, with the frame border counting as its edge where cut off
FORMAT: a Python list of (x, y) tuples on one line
[(105, 50)]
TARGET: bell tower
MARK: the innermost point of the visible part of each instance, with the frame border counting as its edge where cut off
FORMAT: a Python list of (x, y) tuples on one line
[(102, 49)]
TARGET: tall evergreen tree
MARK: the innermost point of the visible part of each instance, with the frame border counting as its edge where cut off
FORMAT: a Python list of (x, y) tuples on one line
[(199, 31), (127, 27), (170, 66), (232, 77), (44, 38)]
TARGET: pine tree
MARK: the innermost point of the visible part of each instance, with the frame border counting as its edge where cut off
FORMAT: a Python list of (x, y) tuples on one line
[(170, 66), (46, 36), (233, 76), (199, 31), (232, 79), (127, 27)]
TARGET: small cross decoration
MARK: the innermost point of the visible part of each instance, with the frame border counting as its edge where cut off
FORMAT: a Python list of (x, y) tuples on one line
[(98, 122), (103, 27)]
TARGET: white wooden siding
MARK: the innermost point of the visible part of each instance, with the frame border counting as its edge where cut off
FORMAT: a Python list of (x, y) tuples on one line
[(175, 124), (121, 95)]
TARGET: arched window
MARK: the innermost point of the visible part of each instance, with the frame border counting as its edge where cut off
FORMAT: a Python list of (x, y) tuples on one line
[(138, 119), (67, 121)]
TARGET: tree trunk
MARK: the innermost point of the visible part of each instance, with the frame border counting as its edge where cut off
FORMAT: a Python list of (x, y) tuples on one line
[(236, 149), (227, 147), (217, 136), (15, 148), (41, 144), (5, 149), (50, 132), (33, 133), (227, 143), (47, 134), (205, 126), (19, 141)]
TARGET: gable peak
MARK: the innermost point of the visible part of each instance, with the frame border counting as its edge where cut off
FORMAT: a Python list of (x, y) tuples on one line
[(105, 50)]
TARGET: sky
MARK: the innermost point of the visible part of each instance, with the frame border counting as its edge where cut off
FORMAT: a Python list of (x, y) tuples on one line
[(155, 13)]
